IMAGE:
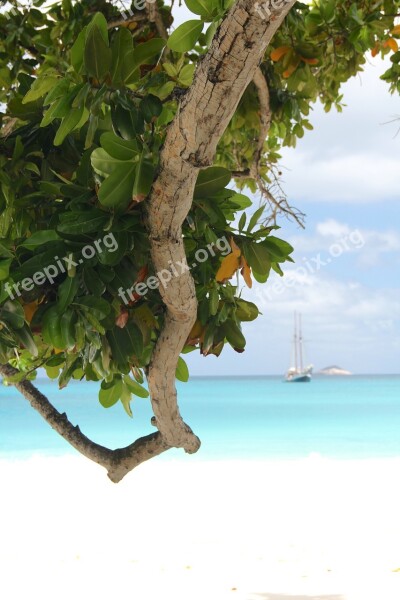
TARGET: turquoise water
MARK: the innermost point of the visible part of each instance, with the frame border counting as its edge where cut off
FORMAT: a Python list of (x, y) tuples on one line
[(255, 417)]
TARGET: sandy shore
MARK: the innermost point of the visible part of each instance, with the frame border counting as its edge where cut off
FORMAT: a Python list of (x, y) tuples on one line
[(312, 529)]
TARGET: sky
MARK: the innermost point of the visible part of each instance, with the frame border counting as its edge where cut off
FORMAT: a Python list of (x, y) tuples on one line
[(345, 282)]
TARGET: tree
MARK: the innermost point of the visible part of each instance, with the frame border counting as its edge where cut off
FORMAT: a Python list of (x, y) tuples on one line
[(119, 235)]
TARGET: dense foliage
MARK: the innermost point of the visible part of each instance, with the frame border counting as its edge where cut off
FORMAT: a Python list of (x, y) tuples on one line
[(86, 99)]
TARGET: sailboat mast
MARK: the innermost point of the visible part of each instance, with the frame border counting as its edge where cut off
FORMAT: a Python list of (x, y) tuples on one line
[(295, 341), (300, 344)]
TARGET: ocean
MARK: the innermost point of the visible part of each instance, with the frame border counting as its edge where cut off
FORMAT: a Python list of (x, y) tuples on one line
[(235, 417)]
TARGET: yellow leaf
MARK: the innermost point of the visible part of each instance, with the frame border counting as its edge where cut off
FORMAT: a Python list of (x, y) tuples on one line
[(196, 331), (290, 70), (235, 248), (309, 61), (228, 267), (29, 310), (396, 30), (392, 44), (375, 51), (246, 272), (279, 53)]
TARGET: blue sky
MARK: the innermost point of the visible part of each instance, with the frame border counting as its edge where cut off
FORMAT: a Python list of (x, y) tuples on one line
[(345, 176)]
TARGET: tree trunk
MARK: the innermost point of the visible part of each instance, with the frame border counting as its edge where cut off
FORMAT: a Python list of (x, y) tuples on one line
[(219, 83)]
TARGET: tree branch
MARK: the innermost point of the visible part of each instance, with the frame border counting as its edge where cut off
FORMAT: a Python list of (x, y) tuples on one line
[(204, 113), (155, 17), (278, 203), (117, 462), (265, 119)]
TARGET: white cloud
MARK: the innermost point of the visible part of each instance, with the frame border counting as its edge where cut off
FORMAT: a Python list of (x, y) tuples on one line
[(332, 235), (332, 228), (316, 294), (359, 178)]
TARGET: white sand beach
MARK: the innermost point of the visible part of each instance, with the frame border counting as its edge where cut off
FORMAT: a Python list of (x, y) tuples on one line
[(312, 529)]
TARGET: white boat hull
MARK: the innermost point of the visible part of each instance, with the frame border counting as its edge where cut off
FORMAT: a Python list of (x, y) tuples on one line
[(300, 378)]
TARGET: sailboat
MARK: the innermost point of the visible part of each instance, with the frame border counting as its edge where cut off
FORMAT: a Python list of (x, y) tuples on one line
[(298, 373)]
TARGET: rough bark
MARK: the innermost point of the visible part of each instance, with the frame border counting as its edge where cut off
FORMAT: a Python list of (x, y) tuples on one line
[(204, 113)]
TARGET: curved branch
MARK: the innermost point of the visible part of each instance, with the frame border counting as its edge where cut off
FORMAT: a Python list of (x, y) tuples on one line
[(265, 118), (220, 80), (278, 202), (117, 462)]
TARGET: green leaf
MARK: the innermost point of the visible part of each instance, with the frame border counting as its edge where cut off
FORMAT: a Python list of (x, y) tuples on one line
[(68, 124), (135, 388), (242, 222), (95, 323), (67, 328), (144, 53), (234, 335), (278, 249), (103, 163), (12, 313), (56, 92), (39, 88), (118, 148), (77, 51), (112, 257), (184, 38), (255, 217), (126, 398), (128, 123), (92, 282), (134, 338), (182, 371), (67, 292), (203, 8), (100, 22), (77, 223), (51, 328), (39, 238), (97, 54), (246, 311), (211, 181), (121, 49), (110, 394), (143, 179), (5, 268), (125, 343), (186, 74), (151, 107), (97, 306), (241, 201), (5, 252), (214, 301), (116, 190), (257, 257)]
